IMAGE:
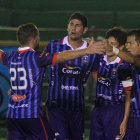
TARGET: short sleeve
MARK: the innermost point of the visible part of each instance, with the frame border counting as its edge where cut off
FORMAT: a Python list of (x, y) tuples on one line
[(44, 59)]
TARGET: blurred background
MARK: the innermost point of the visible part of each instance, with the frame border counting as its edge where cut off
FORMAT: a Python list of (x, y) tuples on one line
[(51, 17)]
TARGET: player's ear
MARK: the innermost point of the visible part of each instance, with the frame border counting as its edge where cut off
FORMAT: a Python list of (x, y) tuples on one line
[(85, 30)]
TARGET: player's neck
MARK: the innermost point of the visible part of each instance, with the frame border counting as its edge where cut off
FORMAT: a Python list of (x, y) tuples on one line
[(111, 58), (76, 43)]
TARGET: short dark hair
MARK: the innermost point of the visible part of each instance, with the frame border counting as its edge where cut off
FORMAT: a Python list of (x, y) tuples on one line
[(25, 32), (135, 33), (118, 33), (80, 17)]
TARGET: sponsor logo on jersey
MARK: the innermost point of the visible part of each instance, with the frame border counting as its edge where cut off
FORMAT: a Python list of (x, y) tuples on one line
[(104, 81), (69, 87), (17, 98), (18, 106), (71, 70), (106, 97)]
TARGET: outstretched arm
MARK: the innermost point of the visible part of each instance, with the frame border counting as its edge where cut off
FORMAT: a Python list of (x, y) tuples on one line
[(129, 58), (93, 48), (125, 55), (126, 115)]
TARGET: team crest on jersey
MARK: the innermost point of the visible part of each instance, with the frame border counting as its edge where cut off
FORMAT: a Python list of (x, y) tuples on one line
[(85, 59), (42, 54), (17, 98), (114, 73)]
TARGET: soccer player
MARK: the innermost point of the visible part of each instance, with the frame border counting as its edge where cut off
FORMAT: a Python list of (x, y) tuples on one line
[(65, 96), (133, 47), (112, 104), (25, 120)]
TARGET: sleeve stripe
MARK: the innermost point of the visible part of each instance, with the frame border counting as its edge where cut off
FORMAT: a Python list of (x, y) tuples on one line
[(54, 59), (128, 88), (127, 83)]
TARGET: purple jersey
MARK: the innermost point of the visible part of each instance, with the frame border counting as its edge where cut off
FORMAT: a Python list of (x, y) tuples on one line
[(27, 69), (66, 80), (109, 89), (135, 101)]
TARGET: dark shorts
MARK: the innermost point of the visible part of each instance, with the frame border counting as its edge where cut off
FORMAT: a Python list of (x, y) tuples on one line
[(66, 124), (106, 120), (29, 129)]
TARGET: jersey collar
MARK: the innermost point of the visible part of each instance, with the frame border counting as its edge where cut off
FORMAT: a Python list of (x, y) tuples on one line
[(65, 41), (24, 49), (117, 60)]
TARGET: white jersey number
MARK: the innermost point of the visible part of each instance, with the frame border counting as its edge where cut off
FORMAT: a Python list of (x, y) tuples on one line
[(22, 78)]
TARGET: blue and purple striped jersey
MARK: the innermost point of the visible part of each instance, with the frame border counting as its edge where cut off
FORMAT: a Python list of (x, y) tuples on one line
[(27, 68), (135, 101), (66, 80), (109, 88)]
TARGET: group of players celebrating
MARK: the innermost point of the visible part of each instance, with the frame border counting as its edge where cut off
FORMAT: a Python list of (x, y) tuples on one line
[(70, 61)]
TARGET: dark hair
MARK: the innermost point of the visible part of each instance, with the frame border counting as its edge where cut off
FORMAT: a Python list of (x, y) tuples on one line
[(135, 33), (25, 32), (80, 17), (118, 33)]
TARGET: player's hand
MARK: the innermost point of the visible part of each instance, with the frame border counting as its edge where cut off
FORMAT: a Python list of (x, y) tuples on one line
[(96, 47), (109, 48), (122, 129)]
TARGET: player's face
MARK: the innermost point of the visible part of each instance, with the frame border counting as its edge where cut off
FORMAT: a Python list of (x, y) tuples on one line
[(36, 44), (75, 29), (132, 45), (113, 42)]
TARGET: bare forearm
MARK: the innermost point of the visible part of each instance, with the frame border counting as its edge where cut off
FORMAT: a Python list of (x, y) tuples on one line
[(127, 107), (127, 111), (129, 58), (126, 57), (69, 55)]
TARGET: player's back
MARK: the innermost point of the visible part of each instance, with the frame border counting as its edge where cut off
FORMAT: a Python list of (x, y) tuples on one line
[(26, 81)]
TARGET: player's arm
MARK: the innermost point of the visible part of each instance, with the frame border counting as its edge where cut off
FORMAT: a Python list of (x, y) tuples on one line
[(126, 114), (1, 52), (125, 56), (93, 48), (125, 76), (129, 58)]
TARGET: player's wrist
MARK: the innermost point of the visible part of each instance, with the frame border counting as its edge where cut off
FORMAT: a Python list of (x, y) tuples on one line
[(115, 50)]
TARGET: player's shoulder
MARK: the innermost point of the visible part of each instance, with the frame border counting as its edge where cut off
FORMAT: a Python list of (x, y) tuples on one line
[(125, 64)]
